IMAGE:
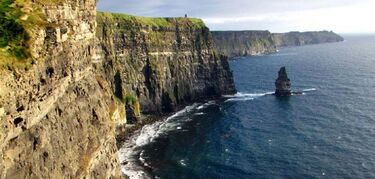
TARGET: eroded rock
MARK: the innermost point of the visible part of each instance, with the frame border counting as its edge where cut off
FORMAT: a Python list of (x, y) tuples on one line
[(283, 83)]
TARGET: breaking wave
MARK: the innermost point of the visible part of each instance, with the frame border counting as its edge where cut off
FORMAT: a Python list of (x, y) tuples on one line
[(309, 89), (251, 96), (131, 156), (245, 96)]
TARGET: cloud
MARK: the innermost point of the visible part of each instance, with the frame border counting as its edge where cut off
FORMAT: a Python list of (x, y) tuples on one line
[(275, 15)]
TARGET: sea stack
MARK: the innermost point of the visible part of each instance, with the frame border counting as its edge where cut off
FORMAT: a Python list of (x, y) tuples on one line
[(283, 84)]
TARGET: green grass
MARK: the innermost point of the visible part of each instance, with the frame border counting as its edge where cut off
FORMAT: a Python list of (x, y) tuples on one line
[(158, 22), (17, 19), (13, 36), (130, 99)]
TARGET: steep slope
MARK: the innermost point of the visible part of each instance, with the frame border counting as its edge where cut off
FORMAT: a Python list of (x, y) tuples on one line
[(60, 107), (163, 62), (305, 38), (54, 116), (243, 43)]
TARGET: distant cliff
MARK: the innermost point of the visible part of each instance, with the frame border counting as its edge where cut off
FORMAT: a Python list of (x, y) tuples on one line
[(305, 38), (244, 43), (248, 43)]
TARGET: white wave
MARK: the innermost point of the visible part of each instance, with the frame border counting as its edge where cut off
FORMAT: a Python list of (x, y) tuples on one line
[(309, 89), (130, 155), (245, 96), (239, 99), (205, 105), (200, 107), (183, 162), (147, 134), (199, 114)]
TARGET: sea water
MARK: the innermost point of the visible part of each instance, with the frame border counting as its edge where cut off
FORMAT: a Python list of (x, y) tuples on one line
[(328, 132)]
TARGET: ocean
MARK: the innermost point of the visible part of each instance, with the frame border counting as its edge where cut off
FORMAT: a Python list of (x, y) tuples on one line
[(328, 132)]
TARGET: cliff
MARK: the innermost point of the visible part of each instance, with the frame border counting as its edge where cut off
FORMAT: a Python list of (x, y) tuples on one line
[(54, 115), (244, 43), (249, 43), (305, 38), (67, 84), (163, 62)]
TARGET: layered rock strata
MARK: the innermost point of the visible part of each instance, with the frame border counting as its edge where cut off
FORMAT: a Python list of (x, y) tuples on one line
[(55, 120), (59, 117), (163, 62)]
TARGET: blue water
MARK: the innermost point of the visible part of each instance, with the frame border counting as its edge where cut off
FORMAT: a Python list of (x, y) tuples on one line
[(325, 133)]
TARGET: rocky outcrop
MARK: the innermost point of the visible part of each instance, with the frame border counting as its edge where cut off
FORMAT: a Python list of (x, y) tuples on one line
[(162, 62), (59, 116), (250, 43), (305, 38), (244, 43), (283, 83)]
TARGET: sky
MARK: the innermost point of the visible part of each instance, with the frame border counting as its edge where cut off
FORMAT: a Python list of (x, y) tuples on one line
[(342, 16)]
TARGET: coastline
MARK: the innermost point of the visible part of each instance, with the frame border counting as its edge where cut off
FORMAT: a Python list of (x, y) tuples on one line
[(133, 138)]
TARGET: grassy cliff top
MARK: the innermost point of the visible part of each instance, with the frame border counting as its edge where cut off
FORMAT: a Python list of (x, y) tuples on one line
[(158, 22)]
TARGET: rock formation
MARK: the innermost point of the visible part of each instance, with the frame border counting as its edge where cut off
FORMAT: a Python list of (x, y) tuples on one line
[(248, 43), (60, 108), (283, 84)]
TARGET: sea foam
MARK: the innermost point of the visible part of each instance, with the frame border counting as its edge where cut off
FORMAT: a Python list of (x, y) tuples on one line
[(131, 157)]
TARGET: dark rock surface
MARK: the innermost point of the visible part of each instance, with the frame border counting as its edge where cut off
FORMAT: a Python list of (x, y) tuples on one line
[(283, 83), (162, 66), (131, 117)]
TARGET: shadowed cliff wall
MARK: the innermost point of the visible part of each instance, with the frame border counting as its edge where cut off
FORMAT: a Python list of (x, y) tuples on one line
[(163, 62)]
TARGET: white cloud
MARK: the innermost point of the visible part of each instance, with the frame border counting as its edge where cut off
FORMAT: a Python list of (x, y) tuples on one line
[(274, 15), (355, 18)]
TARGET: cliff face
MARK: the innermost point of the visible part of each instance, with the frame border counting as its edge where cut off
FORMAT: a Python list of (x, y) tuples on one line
[(244, 43), (54, 117), (163, 62), (59, 116), (248, 43), (305, 38)]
